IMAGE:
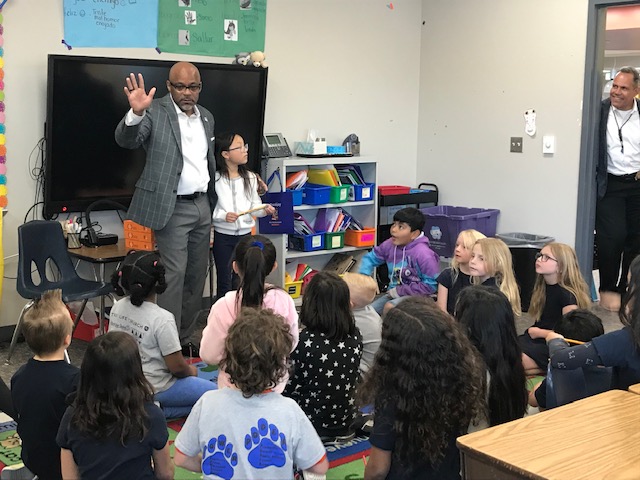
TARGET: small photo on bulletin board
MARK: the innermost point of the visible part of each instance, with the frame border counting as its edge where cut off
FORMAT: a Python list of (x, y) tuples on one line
[(221, 28)]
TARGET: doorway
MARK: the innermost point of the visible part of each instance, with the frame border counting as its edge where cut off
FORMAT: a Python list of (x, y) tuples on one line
[(613, 40)]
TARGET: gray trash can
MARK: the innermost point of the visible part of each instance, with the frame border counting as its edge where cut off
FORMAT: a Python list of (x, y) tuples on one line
[(523, 247)]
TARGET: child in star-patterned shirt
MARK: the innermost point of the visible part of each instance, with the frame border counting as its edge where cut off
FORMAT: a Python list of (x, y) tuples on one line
[(327, 357)]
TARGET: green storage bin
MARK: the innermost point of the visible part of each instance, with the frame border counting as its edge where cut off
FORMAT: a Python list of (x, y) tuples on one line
[(333, 240), (339, 194)]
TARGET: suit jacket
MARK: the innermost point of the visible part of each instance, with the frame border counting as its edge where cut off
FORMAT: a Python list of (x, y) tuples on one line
[(601, 166), (154, 198)]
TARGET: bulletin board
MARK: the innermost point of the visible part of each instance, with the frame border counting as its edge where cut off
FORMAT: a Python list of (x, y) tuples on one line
[(220, 28)]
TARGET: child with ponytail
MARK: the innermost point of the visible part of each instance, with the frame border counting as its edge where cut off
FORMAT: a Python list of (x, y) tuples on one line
[(255, 258)]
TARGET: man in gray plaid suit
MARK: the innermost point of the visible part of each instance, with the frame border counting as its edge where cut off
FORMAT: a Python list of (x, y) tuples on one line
[(174, 195)]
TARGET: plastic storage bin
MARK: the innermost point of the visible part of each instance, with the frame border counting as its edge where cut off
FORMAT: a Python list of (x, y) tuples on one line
[(523, 247), (296, 195), (362, 193), (313, 194), (339, 194), (306, 243), (360, 238), (294, 289), (393, 189), (444, 223), (333, 240)]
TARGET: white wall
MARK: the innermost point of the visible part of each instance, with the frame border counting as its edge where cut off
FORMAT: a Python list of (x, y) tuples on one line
[(338, 66), (482, 65)]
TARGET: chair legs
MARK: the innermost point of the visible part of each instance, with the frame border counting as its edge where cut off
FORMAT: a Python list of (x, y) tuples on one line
[(16, 332), (79, 315)]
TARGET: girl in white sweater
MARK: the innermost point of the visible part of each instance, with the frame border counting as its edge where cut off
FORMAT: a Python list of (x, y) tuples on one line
[(237, 189)]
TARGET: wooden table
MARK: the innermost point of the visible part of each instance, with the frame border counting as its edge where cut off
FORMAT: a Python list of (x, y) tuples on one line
[(101, 256), (635, 388), (594, 438)]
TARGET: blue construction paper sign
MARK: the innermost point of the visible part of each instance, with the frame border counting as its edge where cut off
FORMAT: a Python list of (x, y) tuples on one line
[(111, 23)]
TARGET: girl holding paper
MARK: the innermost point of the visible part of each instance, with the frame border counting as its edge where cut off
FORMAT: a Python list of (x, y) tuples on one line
[(238, 202)]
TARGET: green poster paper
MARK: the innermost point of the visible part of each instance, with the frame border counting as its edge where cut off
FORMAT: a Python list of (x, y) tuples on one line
[(219, 28)]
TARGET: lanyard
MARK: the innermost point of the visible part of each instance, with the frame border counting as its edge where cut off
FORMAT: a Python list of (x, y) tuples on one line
[(615, 117)]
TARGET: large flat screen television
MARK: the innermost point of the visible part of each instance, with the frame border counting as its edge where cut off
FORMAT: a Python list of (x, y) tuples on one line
[(85, 102)]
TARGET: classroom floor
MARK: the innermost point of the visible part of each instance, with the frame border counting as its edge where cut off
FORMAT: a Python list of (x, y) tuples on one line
[(78, 347)]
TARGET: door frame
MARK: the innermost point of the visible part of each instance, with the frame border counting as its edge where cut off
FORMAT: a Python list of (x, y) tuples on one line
[(594, 62)]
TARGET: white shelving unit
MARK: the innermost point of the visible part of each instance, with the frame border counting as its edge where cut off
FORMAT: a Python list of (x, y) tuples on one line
[(365, 212)]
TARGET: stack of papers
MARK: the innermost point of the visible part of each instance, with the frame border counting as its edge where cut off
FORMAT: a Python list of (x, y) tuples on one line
[(296, 180), (335, 220), (302, 270), (324, 175), (350, 175), (301, 226)]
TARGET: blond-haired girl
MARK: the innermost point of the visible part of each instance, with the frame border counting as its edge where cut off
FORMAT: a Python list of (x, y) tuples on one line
[(559, 288), (491, 264), (452, 280)]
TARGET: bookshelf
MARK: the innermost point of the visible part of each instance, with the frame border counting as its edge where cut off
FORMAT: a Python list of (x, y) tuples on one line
[(365, 212)]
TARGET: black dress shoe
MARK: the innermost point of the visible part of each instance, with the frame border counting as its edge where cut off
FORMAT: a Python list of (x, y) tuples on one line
[(190, 350)]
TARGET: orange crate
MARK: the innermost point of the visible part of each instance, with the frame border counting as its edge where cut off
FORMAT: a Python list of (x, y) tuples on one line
[(141, 236), (139, 245), (360, 238), (129, 225)]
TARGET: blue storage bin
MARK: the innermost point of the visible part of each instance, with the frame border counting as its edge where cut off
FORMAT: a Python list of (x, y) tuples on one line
[(297, 197), (362, 193), (444, 223), (306, 243), (313, 194)]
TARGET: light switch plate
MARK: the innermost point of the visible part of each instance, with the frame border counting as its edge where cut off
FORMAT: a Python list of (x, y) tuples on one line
[(548, 144)]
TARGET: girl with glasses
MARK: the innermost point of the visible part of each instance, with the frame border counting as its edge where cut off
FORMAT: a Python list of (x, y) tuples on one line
[(559, 289), (237, 190)]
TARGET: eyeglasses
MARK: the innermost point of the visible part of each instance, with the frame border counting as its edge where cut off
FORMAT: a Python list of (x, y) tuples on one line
[(244, 147), (194, 88), (544, 257)]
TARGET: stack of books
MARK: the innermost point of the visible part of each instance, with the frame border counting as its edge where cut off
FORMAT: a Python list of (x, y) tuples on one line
[(350, 175), (335, 220), (296, 180), (340, 263)]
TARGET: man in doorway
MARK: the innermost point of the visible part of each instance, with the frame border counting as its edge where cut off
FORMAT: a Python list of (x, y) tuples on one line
[(618, 186), (174, 195)]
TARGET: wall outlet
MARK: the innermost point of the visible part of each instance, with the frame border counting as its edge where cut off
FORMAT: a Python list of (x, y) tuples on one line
[(516, 145)]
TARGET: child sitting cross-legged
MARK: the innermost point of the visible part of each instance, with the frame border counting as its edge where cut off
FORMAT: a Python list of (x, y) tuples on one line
[(412, 265), (39, 388), (175, 382), (249, 431)]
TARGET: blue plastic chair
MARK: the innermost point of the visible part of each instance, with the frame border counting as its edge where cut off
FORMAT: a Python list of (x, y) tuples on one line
[(566, 386), (40, 244)]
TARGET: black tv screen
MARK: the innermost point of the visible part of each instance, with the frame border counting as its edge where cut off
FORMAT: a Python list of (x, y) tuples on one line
[(85, 102)]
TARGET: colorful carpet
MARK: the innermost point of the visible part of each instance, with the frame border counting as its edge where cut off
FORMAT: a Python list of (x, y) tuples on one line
[(346, 461)]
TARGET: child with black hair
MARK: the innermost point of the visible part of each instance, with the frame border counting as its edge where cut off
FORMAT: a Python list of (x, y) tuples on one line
[(413, 266), (175, 382), (487, 317), (619, 349), (40, 387), (113, 429), (326, 360), (237, 190), (249, 431), (579, 324), (427, 384), (255, 258)]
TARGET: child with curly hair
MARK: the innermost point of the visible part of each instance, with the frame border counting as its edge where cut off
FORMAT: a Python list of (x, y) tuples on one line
[(423, 350), (249, 431), (175, 382)]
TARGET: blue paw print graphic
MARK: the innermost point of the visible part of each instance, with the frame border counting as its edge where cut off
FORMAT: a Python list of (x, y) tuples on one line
[(267, 445), (221, 460)]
